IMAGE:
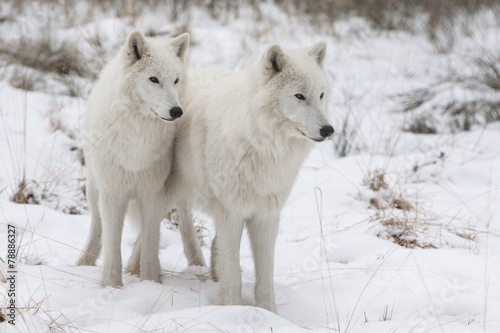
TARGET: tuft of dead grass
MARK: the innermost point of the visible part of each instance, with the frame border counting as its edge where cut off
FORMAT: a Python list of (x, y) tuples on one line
[(80, 154), (421, 124), (377, 181), (489, 70), (401, 204), (56, 124), (427, 111), (385, 197), (45, 55), (481, 107), (399, 216), (73, 210), (345, 141), (386, 315), (172, 219), (25, 193), (465, 114), (404, 232), (26, 79)]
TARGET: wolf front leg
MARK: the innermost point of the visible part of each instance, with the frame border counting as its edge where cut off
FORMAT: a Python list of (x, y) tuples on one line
[(263, 233), (134, 218), (226, 258), (134, 263), (152, 210), (113, 210)]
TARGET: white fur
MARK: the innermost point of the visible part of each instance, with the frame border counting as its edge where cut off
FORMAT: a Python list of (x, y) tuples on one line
[(128, 148), (238, 151)]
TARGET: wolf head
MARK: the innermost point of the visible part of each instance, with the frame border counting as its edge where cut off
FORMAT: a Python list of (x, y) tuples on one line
[(156, 74), (300, 88)]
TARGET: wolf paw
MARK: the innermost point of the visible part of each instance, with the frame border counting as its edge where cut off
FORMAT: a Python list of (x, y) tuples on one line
[(112, 281), (151, 274)]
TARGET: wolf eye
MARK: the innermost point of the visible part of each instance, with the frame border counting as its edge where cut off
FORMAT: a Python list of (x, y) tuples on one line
[(176, 80), (154, 79), (321, 96), (300, 96)]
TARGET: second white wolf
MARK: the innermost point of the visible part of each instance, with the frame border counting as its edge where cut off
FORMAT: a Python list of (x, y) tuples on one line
[(237, 153)]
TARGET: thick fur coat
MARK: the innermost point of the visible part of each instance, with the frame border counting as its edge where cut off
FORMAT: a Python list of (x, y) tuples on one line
[(238, 151), (128, 145)]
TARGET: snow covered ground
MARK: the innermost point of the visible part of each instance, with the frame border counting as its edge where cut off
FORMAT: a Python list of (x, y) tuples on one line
[(400, 235)]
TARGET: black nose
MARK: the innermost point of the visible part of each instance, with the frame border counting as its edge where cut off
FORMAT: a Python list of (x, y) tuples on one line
[(326, 131), (175, 112)]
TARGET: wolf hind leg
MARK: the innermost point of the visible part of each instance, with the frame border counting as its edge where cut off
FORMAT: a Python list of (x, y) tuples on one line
[(190, 241), (226, 258), (93, 244), (133, 215), (263, 233)]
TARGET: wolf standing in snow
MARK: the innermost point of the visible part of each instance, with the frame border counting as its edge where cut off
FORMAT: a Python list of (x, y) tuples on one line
[(128, 147), (238, 151)]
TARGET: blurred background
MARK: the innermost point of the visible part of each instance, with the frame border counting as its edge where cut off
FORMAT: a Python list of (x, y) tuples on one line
[(400, 208)]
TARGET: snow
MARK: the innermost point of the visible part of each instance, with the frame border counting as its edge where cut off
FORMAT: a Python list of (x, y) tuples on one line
[(337, 265)]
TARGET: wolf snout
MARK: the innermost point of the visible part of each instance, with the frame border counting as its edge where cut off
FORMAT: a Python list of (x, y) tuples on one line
[(175, 112), (326, 131)]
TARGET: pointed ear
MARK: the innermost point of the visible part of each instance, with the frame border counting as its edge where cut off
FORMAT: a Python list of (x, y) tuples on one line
[(274, 60), (318, 52), (180, 44), (136, 46)]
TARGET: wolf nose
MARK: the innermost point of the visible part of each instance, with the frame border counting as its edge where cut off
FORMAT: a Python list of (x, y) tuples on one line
[(326, 131), (175, 112)]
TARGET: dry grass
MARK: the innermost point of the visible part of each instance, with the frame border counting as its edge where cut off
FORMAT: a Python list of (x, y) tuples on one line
[(25, 193), (386, 315), (404, 232), (80, 155), (437, 18), (416, 98), (489, 70), (433, 17), (385, 197), (376, 181), (45, 55), (421, 124), (202, 231), (57, 123), (26, 79), (457, 115), (399, 216), (465, 115), (42, 65), (425, 106), (31, 192), (344, 141)]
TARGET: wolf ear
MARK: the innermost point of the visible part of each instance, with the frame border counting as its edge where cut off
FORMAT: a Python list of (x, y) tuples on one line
[(180, 44), (136, 46), (318, 52), (274, 59)]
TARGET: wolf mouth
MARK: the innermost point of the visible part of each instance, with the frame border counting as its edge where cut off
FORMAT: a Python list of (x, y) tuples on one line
[(314, 139), (167, 119), (162, 118)]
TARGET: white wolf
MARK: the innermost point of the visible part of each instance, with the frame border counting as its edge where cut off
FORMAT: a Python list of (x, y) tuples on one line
[(128, 148), (237, 153)]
